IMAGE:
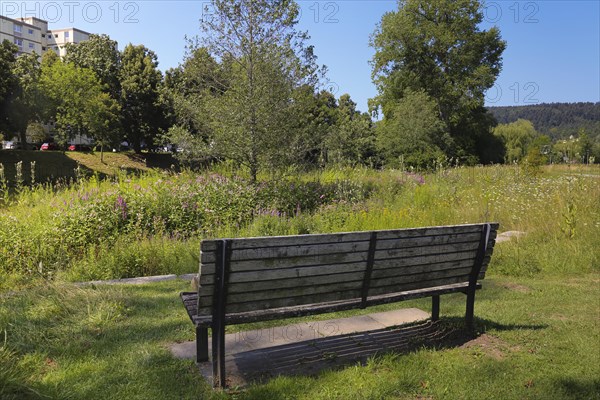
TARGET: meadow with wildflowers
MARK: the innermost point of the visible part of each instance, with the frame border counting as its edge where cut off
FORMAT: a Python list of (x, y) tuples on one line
[(151, 224), (537, 332)]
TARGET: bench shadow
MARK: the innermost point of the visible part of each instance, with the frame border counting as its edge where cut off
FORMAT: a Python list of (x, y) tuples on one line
[(335, 352)]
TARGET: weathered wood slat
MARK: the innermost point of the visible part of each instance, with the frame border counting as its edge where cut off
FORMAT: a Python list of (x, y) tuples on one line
[(292, 262), (302, 240), (400, 263), (293, 301), (275, 275), (294, 250), (252, 291), (396, 283), (290, 240), (313, 309), (383, 244), (289, 293), (422, 251), (422, 284), (290, 283), (270, 258), (422, 268)]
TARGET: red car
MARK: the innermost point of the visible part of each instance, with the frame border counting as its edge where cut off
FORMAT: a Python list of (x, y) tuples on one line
[(49, 146), (79, 147)]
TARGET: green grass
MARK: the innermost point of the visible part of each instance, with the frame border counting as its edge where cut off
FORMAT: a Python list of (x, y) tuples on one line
[(537, 317), (111, 343), (112, 162)]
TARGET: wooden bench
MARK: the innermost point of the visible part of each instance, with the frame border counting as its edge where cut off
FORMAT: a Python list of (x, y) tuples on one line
[(257, 279)]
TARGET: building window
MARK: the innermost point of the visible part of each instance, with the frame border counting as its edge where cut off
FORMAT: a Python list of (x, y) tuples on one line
[(67, 35), (31, 46), (30, 31), (43, 35), (18, 28), (19, 43), (56, 35), (43, 48)]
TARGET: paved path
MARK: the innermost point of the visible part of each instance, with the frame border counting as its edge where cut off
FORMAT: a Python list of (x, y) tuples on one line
[(309, 347)]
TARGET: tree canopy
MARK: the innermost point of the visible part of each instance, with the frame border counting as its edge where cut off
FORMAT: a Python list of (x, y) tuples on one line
[(140, 79), (265, 60), (437, 47)]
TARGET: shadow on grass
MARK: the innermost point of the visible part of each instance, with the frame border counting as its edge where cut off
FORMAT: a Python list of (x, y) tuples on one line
[(335, 352), (571, 388), (484, 325), (50, 167)]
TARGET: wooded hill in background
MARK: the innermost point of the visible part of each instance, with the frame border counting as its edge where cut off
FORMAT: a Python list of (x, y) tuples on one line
[(557, 120)]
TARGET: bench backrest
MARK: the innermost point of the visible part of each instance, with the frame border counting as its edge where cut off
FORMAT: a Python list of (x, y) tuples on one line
[(272, 272)]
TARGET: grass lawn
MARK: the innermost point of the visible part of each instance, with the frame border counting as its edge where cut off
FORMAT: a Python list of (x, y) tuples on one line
[(112, 163), (539, 339), (537, 317)]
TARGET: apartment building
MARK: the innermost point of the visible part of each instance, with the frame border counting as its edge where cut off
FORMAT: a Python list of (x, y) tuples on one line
[(31, 35)]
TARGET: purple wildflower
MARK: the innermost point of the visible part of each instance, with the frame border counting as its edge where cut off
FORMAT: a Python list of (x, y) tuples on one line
[(121, 205)]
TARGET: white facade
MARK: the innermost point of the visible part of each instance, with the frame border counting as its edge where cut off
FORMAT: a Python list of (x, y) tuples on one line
[(27, 37), (31, 35)]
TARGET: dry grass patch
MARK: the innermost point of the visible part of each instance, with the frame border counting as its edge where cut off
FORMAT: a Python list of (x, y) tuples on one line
[(491, 346)]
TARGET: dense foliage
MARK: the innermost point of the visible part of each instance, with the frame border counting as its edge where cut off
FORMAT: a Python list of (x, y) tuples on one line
[(81, 229), (438, 48)]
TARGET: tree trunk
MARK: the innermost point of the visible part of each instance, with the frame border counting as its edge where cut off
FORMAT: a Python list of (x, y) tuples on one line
[(23, 140)]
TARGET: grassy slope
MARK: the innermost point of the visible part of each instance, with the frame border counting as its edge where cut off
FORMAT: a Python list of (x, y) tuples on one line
[(112, 163), (56, 164)]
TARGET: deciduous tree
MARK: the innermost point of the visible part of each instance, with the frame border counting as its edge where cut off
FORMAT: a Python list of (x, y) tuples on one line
[(142, 115), (517, 137), (265, 60), (100, 54), (76, 100), (412, 134), (438, 46)]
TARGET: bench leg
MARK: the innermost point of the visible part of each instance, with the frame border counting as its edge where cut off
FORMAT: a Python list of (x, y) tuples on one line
[(201, 344), (218, 353), (435, 308), (470, 309)]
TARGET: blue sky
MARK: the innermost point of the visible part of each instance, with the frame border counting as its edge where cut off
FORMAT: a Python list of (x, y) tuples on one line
[(553, 52)]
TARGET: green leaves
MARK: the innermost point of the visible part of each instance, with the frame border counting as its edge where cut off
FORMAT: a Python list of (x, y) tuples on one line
[(412, 134), (437, 47), (254, 119), (76, 101), (140, 80)]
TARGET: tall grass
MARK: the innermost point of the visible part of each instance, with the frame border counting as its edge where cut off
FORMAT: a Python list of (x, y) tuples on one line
[(151, 224)]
